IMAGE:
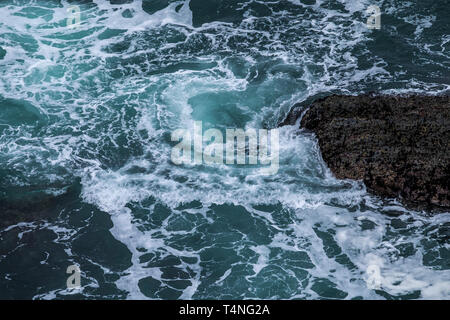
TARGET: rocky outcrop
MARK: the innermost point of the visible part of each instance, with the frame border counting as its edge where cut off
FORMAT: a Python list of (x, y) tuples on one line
[(398, 145)]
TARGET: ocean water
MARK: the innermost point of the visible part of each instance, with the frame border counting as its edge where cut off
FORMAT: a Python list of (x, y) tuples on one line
[(87, 108)]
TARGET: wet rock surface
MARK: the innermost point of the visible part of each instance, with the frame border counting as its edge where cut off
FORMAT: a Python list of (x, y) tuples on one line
[(398, 145)]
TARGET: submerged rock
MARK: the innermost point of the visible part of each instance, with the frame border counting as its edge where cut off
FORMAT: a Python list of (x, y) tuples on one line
[(398, 145), (34, 203)]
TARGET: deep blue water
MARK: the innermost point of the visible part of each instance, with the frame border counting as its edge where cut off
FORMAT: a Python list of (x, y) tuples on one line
[(86, 114)]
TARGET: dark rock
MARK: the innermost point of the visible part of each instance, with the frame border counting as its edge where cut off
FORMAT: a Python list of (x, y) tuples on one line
[(2, 53), (398, 145), (294, 114)]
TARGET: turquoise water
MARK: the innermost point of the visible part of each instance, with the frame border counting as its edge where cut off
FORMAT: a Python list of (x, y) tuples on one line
[(86, 114)]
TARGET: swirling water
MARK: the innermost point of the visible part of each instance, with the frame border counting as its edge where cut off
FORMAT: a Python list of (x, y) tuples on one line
[(86, 114)]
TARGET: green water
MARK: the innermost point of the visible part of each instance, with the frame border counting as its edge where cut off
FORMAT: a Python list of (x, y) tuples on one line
[(86, 177)]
